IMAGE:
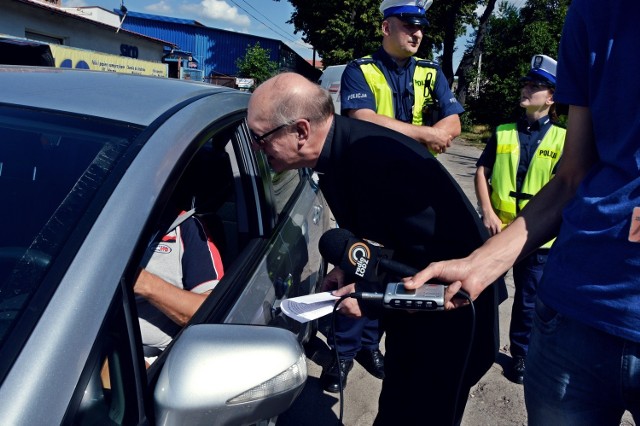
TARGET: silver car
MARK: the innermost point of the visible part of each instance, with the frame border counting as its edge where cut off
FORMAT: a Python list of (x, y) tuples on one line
[(89, 162)]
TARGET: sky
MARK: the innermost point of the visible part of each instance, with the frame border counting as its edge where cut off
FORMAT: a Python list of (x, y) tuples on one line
[(264, 18)]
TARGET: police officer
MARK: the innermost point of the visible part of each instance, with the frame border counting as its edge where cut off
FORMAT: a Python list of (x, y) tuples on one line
[(517, 162), (410, 95), (394, 89)]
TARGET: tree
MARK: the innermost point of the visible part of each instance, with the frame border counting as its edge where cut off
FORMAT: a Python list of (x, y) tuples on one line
[(339, 30), (256, 64), (513, 36), (447, 21), (342, 30), (472, 56)]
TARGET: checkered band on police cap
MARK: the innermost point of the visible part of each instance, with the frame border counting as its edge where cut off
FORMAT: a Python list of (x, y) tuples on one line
[(415, 9)]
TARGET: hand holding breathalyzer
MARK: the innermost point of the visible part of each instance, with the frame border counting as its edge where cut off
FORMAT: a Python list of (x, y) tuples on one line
[(459, 273), (361, 260)]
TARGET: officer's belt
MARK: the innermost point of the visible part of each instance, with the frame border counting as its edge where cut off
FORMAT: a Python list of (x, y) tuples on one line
[(520, 195)]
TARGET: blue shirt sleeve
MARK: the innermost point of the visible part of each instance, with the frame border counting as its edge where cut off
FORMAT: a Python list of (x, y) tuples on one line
[(448, 103), (488, 156), (354, 90)]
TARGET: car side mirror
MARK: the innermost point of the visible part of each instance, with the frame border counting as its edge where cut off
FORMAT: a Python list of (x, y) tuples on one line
[(228, 374)]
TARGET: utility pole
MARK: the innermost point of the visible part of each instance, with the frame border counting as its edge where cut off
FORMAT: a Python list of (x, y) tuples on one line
[(478, 76)]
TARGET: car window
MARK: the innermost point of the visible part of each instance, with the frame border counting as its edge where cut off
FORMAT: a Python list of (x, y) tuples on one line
[(200, 233), (52, 167), (208, 185), (258, 219), (109, 391), (291, 201), (284, 185), (279, 187)]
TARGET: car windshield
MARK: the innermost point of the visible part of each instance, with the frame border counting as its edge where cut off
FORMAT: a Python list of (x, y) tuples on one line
[(53, 168)]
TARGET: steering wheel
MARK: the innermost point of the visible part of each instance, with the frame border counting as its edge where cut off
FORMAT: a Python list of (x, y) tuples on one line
[(10, 255)]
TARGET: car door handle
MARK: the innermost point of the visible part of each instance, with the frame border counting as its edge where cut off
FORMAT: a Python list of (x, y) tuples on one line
[(317, 214)]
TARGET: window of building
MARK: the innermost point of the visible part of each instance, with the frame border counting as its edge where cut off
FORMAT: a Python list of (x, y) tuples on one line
[(43, 37)]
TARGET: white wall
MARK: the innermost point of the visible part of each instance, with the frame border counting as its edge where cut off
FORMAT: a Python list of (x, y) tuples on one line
[(95, 14), (18, 18)]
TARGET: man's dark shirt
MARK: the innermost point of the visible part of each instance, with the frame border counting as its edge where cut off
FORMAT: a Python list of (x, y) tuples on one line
[(386, 187)]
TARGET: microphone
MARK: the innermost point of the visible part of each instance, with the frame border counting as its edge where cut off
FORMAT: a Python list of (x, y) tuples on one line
[(400, 269), (357, 258), (360, 260), (366, 261)]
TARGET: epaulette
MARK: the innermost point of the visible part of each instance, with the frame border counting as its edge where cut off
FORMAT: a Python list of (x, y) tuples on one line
[(427, 63), (364, 61)]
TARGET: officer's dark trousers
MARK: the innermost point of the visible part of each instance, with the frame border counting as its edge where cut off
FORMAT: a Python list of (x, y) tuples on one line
[(426, 382), (526, 276), (353, 334)]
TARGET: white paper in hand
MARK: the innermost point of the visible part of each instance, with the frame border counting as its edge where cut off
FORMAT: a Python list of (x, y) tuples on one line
[(309, 307)]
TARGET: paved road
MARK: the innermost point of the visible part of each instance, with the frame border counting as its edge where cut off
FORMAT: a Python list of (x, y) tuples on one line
[(493, 401)]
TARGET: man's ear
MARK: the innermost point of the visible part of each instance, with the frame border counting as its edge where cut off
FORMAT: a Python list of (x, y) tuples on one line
[(303, 131), (385, 27)]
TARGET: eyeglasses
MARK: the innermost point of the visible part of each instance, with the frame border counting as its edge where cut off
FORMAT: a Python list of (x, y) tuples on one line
[(535, 85), (260, 140)]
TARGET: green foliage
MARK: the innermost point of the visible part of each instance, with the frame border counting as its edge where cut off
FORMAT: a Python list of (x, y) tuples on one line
[(447, 21), (256, 64), (342, 30), (466, 122), (512, 38)]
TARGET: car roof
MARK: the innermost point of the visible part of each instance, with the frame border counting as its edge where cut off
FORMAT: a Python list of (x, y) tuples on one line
[(132, 98)]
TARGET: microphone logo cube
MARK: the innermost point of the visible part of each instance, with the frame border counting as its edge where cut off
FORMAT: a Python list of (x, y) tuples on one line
[(359, 256)]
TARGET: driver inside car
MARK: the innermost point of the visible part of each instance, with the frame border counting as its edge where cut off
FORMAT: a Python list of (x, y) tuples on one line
[(176, 275)]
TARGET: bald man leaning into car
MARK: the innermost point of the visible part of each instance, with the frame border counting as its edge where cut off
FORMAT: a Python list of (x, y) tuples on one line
[(383, 186)]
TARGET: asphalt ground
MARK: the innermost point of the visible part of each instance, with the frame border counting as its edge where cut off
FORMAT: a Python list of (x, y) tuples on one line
[(494, 400)]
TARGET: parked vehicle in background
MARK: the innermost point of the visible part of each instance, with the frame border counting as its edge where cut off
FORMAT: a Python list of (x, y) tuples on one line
[(330, 80), (90, 163)]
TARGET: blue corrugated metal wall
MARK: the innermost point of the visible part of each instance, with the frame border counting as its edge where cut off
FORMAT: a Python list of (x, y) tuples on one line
[(215, 50)]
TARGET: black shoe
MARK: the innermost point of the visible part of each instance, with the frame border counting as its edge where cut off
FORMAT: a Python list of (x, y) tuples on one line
[(517, 370), (372, 361), (330, 377)]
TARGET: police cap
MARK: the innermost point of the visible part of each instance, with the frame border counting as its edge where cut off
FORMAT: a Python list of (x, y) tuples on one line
[(543, 71), (410, 11)]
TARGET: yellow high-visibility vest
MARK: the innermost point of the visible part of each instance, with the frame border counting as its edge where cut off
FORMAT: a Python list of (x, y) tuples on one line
[(424, 71), (505, 199)]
